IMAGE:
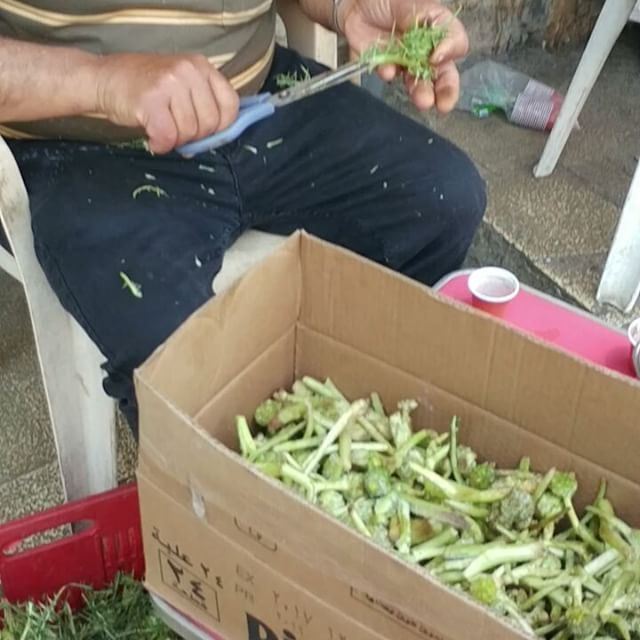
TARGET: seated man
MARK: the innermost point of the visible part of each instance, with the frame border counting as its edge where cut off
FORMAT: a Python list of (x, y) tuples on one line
[(130, 240)]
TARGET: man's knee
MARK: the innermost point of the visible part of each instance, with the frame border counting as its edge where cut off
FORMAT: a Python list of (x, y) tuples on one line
[(447, 205), (455, 192), (469, 199)]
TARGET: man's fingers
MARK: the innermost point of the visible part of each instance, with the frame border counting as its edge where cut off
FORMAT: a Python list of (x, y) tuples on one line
[(199, 104), (443, 93), (387, 72), (184, 114), (161, 130), (226, 97), (447, 87), (421, 93), (456, 43), (215, 101), (454, 46), (206, 108)]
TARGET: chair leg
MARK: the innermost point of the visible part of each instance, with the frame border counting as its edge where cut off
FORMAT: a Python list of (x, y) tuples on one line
[(620, 284), (613, 18), (98, 413), (82, 415)]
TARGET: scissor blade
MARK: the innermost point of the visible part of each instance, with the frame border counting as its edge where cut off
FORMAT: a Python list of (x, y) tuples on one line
[(318, 83)]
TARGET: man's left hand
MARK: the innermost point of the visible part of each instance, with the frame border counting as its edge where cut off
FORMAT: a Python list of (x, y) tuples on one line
[(366, 22)]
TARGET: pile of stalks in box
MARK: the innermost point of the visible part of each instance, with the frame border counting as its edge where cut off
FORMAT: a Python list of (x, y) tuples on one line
[(510, 538)]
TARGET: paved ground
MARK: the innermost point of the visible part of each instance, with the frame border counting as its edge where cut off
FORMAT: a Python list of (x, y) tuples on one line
[(554, 233)]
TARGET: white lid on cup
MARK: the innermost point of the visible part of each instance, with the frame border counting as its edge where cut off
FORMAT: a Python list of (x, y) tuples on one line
[(494, 285), (634, 333)]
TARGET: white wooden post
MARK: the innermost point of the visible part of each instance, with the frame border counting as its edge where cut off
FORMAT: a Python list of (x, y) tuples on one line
[(612, 20), (620, 284)]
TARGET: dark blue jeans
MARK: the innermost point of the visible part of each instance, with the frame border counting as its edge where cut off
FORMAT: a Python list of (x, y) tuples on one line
[(349, 169)]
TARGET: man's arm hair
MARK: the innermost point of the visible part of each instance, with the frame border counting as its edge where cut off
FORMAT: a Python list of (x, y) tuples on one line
[(320, 11), (39, 82)]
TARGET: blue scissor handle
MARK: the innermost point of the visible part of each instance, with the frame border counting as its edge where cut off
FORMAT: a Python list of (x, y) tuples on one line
[(252, 110)]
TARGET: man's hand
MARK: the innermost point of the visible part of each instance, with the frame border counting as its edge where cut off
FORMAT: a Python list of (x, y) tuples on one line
[(175, 99), (366, 22)]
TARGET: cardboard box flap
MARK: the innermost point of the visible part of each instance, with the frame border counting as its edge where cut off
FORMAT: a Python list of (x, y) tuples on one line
[(220, 339), (514, 376), (394, 319)]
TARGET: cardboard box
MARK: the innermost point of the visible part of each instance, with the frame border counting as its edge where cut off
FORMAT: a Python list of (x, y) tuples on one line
[(246, 557)]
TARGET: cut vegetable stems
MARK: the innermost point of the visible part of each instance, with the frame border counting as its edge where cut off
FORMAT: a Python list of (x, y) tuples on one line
[(510, 538)]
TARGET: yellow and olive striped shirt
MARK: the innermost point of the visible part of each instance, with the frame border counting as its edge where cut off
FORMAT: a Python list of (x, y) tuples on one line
[(236, 35)]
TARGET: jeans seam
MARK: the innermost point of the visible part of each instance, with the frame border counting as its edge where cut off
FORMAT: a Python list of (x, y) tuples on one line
[(236, 186)]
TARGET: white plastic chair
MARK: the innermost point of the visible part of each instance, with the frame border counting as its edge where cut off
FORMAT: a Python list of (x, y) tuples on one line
[(620, 283), (82, 415)]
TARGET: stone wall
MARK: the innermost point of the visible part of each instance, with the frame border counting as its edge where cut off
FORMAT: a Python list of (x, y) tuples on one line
[(496, 26)]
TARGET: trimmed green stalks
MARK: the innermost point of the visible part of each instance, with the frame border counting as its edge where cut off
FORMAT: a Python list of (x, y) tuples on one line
[(352, 413), (501, 555), (427, 498), (459, 492)]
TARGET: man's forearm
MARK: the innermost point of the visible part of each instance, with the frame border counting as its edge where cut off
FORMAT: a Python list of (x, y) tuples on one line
[(38, 82), (322, 11)]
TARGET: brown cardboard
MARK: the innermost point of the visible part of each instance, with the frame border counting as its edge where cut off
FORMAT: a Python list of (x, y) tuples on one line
[(208, 582), (315, 309)]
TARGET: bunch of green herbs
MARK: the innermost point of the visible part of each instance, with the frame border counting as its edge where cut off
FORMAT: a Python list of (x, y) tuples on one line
[(411, 51)]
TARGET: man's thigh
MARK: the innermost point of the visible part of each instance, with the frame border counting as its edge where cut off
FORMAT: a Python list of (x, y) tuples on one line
[(129, 242), (350, 169)]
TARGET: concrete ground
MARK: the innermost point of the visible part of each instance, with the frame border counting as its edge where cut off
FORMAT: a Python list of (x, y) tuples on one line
[(554, 233)]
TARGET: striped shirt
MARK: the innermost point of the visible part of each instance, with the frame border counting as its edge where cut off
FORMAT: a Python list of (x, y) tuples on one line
[(237, 36)]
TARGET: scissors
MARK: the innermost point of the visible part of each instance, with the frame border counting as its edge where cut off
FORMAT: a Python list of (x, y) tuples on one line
[(256, 108)]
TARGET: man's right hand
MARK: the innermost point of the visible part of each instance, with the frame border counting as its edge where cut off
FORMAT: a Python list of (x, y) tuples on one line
[(174, 98)]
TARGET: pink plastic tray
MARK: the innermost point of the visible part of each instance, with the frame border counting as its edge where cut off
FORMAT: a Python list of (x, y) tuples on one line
[(556, 322)]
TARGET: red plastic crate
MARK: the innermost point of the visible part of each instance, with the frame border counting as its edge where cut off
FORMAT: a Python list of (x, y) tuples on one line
[(107, 541)]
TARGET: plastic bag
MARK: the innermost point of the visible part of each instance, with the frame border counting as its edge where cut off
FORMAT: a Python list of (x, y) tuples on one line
[(489, 86)]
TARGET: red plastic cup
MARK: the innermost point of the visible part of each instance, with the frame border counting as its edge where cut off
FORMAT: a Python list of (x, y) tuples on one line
[(492, 289)]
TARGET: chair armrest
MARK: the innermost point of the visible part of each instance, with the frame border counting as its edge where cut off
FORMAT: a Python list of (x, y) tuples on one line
[(15, 217), (14, 202)]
